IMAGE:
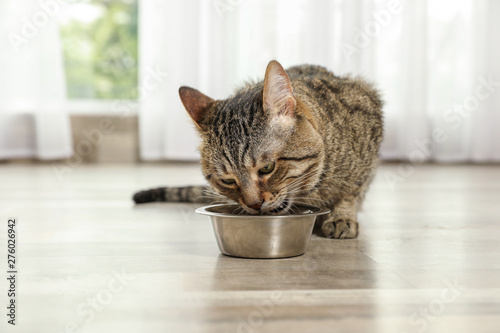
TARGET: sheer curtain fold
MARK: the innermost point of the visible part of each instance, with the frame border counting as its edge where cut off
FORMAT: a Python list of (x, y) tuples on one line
[(485, 144), (426, 57), (33, 118)]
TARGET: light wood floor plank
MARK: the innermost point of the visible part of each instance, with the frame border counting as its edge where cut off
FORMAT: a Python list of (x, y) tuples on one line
[(427, 259)]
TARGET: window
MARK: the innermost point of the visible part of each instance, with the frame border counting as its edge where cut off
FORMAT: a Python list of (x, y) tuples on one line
[(100, 49)]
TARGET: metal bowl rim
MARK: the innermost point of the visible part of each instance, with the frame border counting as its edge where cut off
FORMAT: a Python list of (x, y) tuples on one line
[(318, 211)]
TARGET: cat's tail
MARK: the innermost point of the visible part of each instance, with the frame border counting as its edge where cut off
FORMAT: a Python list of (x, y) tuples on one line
[(199, 194)]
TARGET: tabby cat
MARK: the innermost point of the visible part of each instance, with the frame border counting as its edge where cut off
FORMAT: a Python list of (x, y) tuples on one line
[(301, 135)]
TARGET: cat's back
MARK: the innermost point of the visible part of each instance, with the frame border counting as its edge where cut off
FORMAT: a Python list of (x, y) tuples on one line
[(309, 72), (344, 108), (325, 93), (337, 94)]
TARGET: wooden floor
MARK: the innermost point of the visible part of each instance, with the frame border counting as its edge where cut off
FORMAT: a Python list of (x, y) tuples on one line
[(427, 259)]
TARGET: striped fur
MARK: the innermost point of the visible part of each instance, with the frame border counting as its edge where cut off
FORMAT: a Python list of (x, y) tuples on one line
[(321, 133), (173, 194)]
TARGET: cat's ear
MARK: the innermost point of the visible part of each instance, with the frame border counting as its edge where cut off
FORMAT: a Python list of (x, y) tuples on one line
[(278, 97), (196, 103)]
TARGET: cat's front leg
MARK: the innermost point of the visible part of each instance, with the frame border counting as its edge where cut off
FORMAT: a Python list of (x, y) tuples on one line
[(341, 223)]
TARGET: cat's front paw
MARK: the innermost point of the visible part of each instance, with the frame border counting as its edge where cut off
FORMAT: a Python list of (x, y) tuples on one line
[(340, 229)]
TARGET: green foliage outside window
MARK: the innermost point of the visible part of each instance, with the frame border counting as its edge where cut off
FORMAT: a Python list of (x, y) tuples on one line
[(100, 49)]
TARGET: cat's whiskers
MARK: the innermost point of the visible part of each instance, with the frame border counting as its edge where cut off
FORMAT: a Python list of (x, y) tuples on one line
[(242, 210), (215, 194), (302, 178), (301, 202), (209, 190), (294, 189), (292, 209), (299, 187), (217, 198), (212, 195), (308, 198), (297, 182), (313, 173)]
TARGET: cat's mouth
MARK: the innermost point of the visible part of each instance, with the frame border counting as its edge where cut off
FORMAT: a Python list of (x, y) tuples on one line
[(280, 208)]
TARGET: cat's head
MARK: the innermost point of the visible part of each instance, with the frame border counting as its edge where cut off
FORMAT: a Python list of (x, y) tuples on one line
[(260, 147)]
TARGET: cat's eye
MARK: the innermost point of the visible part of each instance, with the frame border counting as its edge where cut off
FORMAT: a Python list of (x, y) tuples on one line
[(229, 181), (268, 168)]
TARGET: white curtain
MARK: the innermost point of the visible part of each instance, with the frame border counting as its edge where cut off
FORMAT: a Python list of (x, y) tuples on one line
[(436, 63), (33, 121)]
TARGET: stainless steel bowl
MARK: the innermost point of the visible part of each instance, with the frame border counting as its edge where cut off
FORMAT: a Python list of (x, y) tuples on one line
[(262, 236)]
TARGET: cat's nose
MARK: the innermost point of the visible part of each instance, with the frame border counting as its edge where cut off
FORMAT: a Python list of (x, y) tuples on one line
[(256, 206)]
